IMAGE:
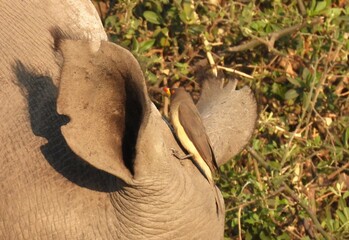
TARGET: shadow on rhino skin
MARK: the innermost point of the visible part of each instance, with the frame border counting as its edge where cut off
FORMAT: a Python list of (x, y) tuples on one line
[(41, 95)]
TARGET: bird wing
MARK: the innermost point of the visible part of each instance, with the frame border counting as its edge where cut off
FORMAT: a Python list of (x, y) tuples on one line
[(197, 134)]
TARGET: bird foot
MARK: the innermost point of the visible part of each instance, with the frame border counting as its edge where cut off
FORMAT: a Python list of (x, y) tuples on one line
[(177, 155)]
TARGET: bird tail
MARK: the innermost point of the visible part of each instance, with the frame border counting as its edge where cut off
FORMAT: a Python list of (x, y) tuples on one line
[(219, 206)]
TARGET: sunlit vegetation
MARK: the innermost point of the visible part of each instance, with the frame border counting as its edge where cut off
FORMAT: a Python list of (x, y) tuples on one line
[(292, 181)]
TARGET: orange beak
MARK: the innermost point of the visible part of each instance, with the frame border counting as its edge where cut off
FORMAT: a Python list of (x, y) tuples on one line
[(167, 91)]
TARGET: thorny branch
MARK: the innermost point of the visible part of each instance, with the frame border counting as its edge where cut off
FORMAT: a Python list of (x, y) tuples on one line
[(294, 196), (273, 37), (311, 214)]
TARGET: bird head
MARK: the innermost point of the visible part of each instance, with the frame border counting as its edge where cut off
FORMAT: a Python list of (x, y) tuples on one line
[(169, 91)]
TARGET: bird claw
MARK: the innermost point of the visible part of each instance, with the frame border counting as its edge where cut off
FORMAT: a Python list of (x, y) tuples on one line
[(177, 155), (174, 152)]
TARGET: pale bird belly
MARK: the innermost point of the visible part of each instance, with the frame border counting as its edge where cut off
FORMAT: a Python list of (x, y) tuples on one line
[(189, 146)]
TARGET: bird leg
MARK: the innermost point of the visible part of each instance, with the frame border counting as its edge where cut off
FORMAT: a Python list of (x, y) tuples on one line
[(176, 154)]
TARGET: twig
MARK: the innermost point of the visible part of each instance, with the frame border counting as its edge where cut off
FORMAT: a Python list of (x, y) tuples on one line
[(256, 200), (319, 87), (258, 158), (235, 71), (273, 37), (209, 55), (239, 223), (295, 235), (258, 175), (301, 120), (326, 196), (311, 214), (338, 171), (291, 193), (301, 7)]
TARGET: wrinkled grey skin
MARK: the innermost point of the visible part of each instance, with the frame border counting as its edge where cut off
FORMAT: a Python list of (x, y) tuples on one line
[(84, 153)]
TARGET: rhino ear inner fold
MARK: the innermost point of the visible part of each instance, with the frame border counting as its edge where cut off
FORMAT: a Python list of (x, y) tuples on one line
[(102, 91)]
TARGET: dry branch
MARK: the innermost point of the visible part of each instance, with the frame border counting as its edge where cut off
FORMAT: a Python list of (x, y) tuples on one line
[(273, 37)]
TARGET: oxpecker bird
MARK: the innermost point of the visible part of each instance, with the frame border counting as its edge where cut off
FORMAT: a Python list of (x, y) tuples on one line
[(191, 133)]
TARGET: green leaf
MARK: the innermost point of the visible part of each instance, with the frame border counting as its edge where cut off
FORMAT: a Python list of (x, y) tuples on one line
[(111, 21), (135, 45), (341, 216), (164, 42), (188, 9), (320, 6), (188, 14), (334, 12), (294, 81), (196, 29), (146, 45), (247, 14), (258, 25), (152, 17), (152, 78), (317, 140), (291, 94), (274, 164), (345, 195), (346, 213), (278, 89), (182, 67), (313, 4)]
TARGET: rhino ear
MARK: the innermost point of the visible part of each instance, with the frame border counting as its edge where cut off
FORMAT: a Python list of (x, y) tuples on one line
[(229, 116), (99, 80)]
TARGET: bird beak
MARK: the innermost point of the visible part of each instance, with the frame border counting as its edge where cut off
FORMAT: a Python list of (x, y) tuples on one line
[(167, 91)]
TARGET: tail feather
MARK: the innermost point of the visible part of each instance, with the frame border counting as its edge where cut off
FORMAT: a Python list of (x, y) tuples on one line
[(219, 207)]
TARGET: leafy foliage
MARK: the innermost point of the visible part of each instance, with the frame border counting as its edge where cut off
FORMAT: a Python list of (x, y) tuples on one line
[(293, 183)]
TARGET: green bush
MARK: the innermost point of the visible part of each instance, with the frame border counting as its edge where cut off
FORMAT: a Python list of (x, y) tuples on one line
[(292, 183)]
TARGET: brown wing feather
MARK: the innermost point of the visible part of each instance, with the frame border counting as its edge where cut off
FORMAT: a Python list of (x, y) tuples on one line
[(189, 117)]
